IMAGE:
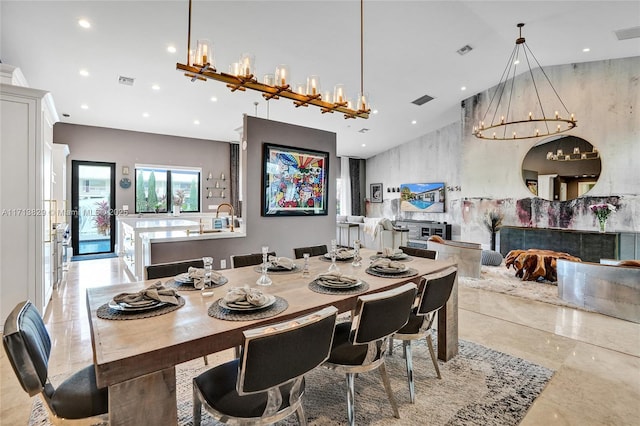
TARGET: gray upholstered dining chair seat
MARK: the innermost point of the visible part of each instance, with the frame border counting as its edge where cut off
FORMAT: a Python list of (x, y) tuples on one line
[(28, 347)]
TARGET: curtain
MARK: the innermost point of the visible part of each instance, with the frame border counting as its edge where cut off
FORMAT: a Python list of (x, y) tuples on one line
[(345, 190), (234, 179), (356, 197)]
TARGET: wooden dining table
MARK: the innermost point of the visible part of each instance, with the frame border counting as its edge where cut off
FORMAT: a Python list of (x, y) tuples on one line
[(136, 358)]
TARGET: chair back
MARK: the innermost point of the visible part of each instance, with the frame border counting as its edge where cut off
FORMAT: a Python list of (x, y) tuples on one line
[(28, 346), (240, 260), (381, 314), (276, 354), (312, 250), (419, 252), (436, 291), (162, 270)]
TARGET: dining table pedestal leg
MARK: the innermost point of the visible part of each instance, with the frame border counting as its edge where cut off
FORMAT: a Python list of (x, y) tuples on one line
[(448, 326), (145, 400)]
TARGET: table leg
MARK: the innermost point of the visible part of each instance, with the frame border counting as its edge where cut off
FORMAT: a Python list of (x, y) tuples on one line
[(145, 400), (448, 326)]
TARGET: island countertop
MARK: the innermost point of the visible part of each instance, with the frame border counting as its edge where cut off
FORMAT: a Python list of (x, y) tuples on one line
[(182, 235)]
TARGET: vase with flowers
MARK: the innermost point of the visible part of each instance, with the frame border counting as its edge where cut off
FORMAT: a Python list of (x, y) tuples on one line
[(602, 212), (178, 200)]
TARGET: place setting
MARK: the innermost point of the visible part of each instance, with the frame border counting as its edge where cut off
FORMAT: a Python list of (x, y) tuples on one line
[(150, 302), (195, 279), (247, 303), (392, 254), (279, 265), (388, 268), (335, 282)]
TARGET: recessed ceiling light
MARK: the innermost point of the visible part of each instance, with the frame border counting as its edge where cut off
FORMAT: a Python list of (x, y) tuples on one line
[(155, 87), (84, 106), (145, 114), (586, 49), (214, 99), (84, 23), (516, 62), (375, 111), (364, 144), (171, 49), (413, 122), (84, 73), (196, 122), (463, 88)]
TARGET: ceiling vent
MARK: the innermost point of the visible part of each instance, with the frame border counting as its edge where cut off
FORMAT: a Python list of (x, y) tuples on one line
[(464, 49), (422, 100), (127, 81), (628, 33)]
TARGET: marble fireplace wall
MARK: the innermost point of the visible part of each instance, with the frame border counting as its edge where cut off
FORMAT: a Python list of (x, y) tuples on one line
[(485, 175)]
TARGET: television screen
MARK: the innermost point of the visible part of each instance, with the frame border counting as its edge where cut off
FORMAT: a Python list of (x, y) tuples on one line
[(422, 197)]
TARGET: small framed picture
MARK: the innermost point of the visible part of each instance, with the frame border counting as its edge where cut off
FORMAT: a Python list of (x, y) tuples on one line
[(533, 186), (376, 192), (125, 170)]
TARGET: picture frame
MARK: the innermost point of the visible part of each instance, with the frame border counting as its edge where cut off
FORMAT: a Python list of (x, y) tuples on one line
[(125, 170), (375, 190), (294, 181), (532, 184), (429, 197)]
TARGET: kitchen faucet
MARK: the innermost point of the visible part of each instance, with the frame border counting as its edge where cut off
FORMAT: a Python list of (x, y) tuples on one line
[(231, 208)]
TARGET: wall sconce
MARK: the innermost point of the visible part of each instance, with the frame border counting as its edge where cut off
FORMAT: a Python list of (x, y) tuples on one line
[(210, 176), (209, 194)]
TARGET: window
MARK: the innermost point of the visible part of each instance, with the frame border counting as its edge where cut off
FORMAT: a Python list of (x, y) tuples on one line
[(158, 189)]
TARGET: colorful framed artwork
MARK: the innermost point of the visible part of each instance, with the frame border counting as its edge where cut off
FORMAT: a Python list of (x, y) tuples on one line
[(294, 181), (375, 190)]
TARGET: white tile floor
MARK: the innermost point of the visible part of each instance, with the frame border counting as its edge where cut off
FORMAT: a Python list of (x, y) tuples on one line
[(596, 358)]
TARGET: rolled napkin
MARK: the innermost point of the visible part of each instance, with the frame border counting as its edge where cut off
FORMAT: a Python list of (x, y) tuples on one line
[(154, 292), (337, 276), (238, 295), (385, 263), (281, 262), (344, 253), (391, 252), (197, 275)]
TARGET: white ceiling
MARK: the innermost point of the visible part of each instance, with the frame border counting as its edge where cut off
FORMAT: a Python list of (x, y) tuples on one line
[(409, 50)]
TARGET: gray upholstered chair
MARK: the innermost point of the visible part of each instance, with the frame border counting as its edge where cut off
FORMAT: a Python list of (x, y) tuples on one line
[(162, 270), (28, 347), (435, 292), (360, 345), (240, 260), (266, 383), (312, 250), (419, 252)]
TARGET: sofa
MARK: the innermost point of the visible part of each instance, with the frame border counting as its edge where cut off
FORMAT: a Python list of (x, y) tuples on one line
[(468, 256), (375, 233), (611, 289)]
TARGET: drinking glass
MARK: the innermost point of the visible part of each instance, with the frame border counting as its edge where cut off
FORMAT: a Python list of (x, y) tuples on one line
[(305, 267), (356, 254), (334, 252), (207, 286), (264, 278)]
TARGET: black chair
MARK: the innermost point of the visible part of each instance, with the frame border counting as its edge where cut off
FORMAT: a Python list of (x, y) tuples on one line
[(266, 383), (299, 252), (162, 270), (360, 345), (240, 260), (434, 295), (419, 252), (28, 347)]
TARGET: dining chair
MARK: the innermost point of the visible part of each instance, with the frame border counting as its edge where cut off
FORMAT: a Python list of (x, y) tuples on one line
[(435, 292), (240, 260), (419, 252), (28, 347), (171, 269), (299, 252), (360, 345), (266, 384)]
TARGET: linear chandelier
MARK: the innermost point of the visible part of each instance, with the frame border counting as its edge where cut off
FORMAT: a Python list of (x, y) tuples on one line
[(200, 66), (500, 122)]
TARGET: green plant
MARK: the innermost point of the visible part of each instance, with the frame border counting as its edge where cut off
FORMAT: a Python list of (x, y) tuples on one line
[(102, 220)]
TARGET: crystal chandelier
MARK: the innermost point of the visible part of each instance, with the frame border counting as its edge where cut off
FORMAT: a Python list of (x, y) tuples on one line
[(241, 76), (499, 122)]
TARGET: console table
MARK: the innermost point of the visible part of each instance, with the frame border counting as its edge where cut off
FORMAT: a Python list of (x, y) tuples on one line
[(587, 245), (422, 230)]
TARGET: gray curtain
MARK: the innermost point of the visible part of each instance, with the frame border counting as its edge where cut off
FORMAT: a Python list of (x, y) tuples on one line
[(356, 196), (234, 179)]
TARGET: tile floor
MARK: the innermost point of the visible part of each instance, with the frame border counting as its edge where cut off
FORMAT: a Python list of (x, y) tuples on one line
[(596, 358)]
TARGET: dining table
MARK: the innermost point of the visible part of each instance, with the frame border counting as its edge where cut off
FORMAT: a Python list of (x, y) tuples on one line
[(137, 358)]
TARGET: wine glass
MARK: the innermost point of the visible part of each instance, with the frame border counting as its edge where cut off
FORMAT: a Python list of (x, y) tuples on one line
[(305, 267), (207, 285), (356, 254), (334, 252)]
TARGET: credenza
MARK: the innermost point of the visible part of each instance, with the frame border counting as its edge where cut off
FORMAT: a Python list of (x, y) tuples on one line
[(589, 246), (422, 230)]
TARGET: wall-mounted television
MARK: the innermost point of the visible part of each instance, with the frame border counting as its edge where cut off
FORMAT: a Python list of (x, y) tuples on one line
[(422, 197)]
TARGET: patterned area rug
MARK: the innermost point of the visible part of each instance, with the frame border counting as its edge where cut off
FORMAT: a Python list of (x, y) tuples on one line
[(480, 386)]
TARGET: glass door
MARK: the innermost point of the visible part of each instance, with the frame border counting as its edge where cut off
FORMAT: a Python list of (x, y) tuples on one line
[(93, 201)]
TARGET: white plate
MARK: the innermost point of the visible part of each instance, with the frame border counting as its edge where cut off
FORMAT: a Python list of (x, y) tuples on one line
[(124, 307), (183, 278), (272, 300), (338, 284)]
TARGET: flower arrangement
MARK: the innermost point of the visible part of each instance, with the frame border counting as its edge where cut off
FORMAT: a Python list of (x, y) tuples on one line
[(602, 212), (178, 198), (102, 219)]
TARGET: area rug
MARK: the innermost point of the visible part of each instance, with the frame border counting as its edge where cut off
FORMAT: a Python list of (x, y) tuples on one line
[(479, 386), (499, 279), (93, 256)]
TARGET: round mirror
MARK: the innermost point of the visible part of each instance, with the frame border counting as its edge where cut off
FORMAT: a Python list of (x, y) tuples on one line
[(561, 168)]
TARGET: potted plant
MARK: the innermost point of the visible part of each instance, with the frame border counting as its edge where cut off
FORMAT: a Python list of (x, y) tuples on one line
[(178, 200), (102, 220), (493, 222)]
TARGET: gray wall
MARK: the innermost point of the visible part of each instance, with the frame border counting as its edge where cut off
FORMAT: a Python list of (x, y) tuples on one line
[(126, 148)]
